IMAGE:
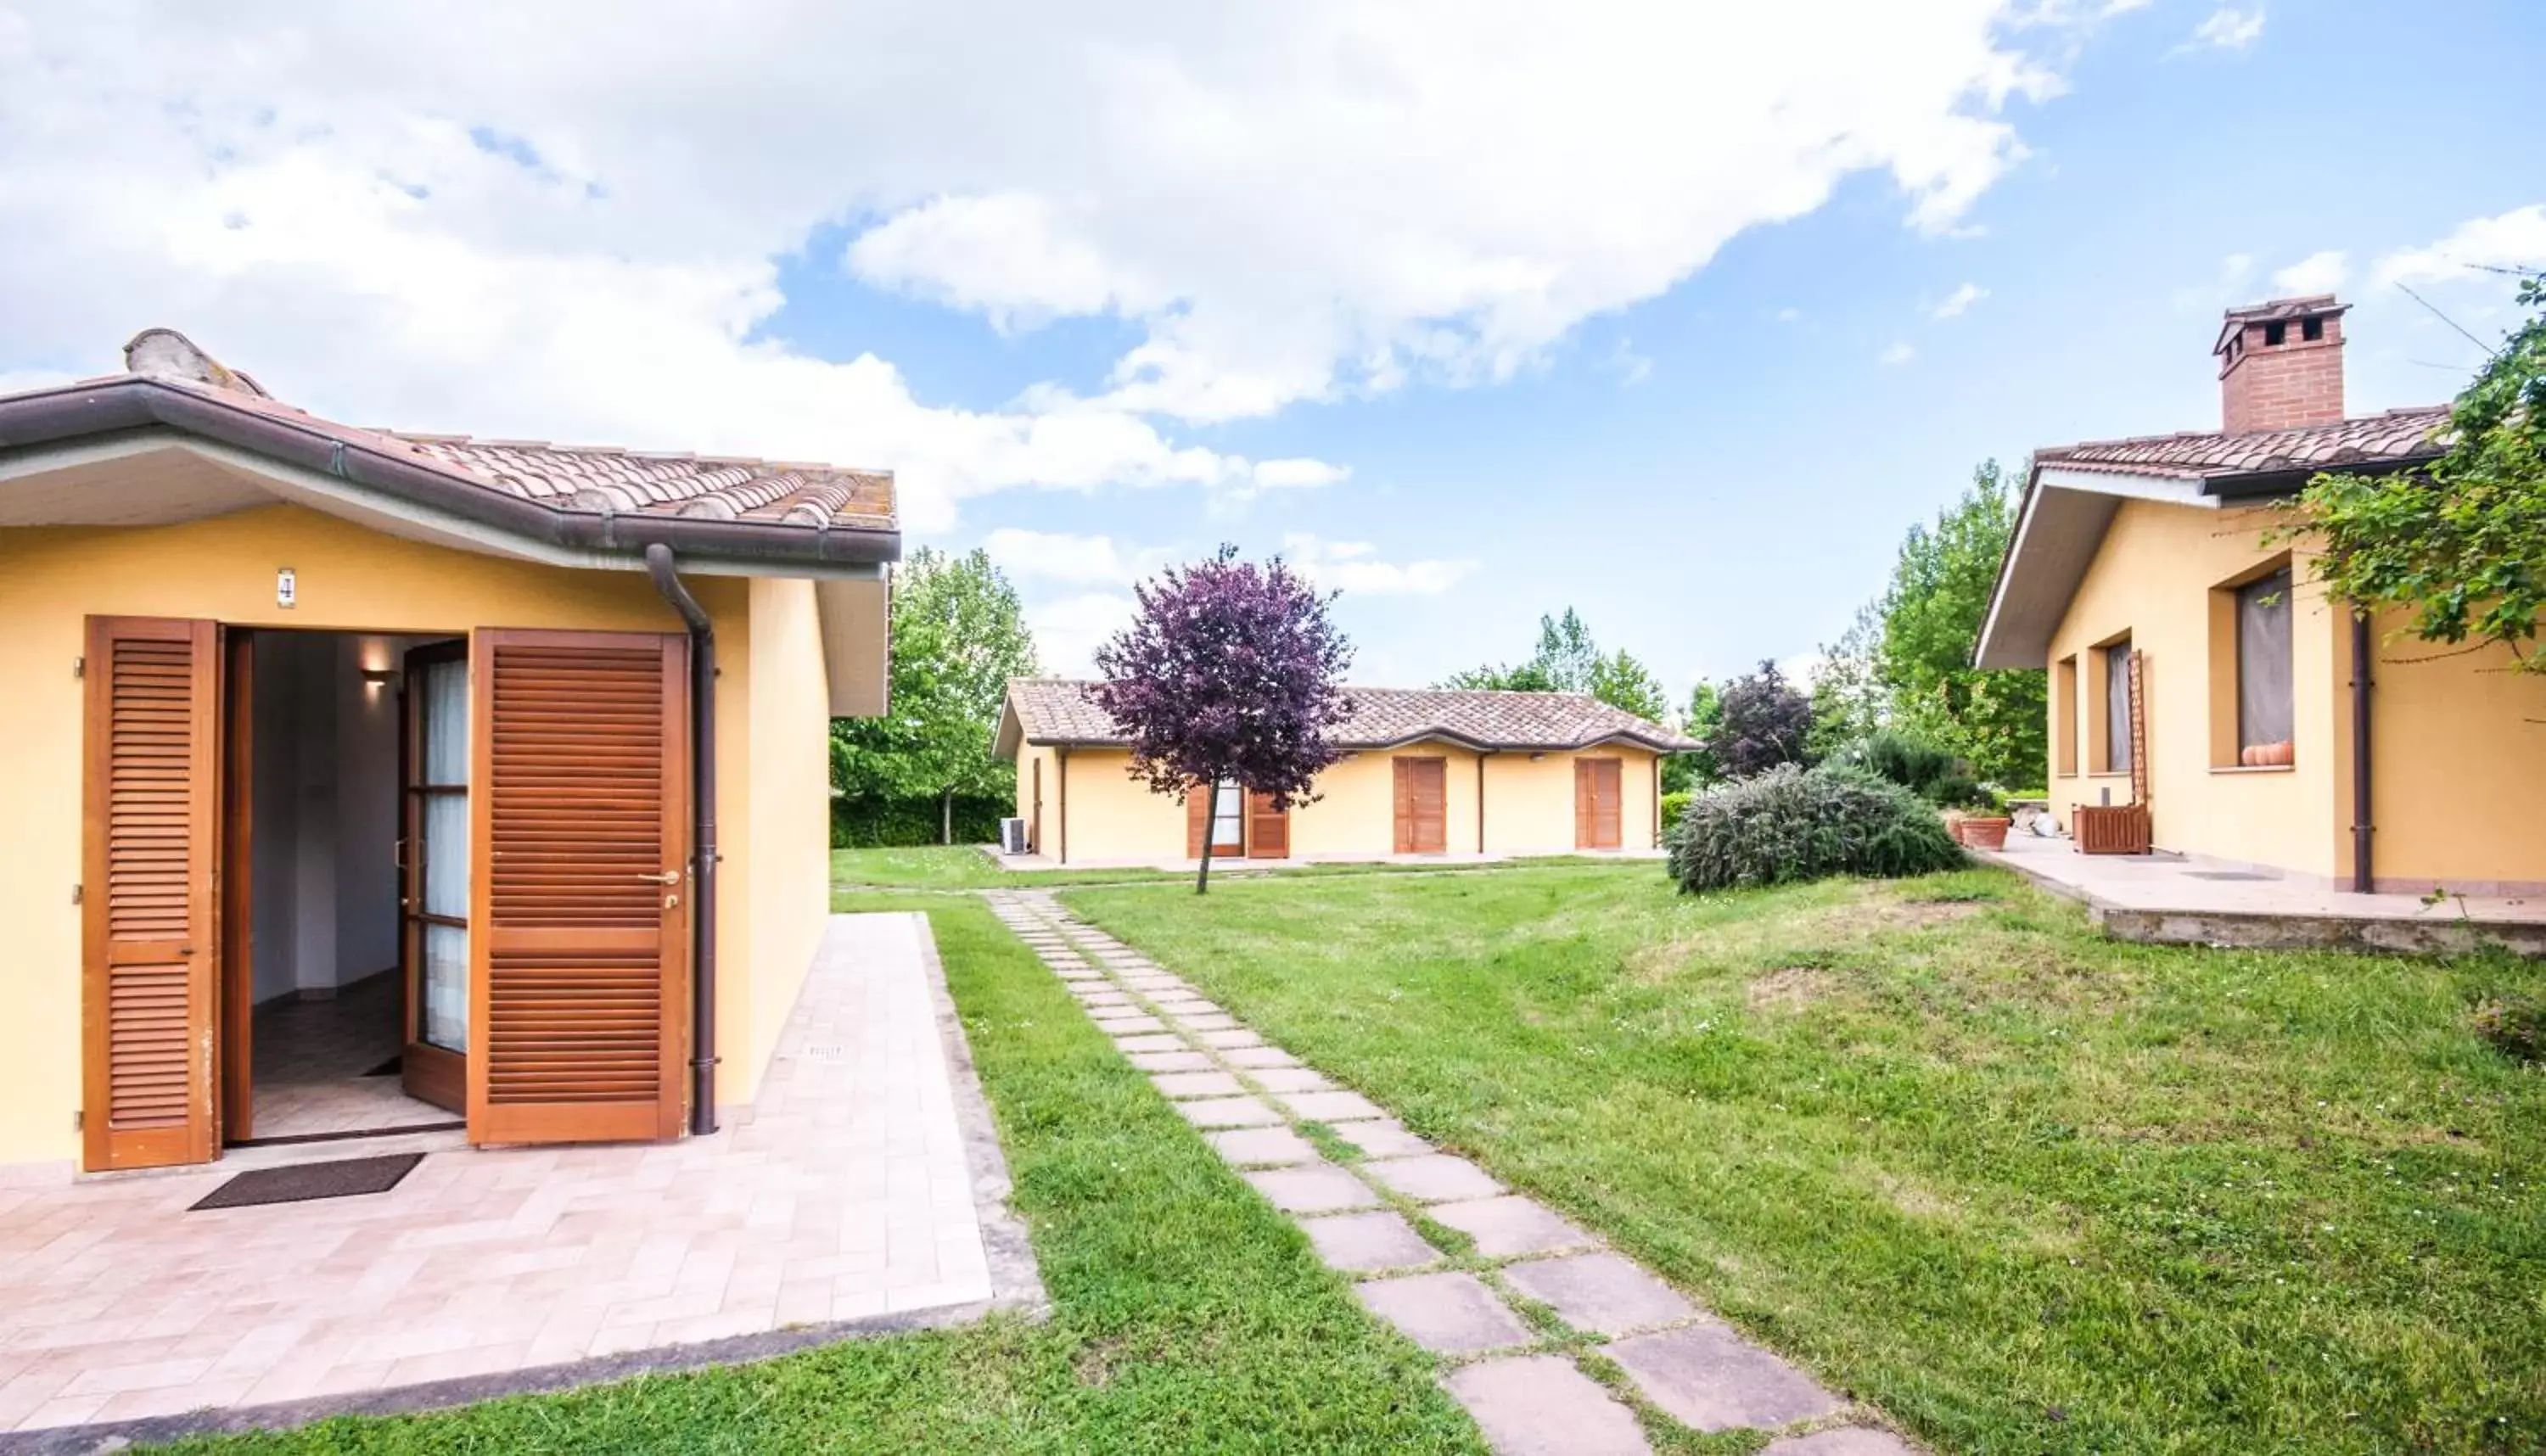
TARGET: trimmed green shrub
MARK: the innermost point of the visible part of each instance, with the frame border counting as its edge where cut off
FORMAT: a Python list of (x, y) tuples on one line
[(1675, 803), (1791, 824), (1925, 769), (878, 823)]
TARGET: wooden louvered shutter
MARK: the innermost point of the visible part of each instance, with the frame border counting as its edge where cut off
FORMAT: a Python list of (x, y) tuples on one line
[(1268, 828), (1197, 818), (579, 964), (150, 991)]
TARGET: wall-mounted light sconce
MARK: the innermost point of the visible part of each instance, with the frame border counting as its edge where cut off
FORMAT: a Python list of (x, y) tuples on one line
[(1536, 757), (379, 677)]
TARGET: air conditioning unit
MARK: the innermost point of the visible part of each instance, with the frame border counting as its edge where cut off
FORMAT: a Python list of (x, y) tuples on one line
[(1012, 836)]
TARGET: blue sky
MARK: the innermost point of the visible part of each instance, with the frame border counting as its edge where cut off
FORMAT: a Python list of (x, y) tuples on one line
[(1678, 316)]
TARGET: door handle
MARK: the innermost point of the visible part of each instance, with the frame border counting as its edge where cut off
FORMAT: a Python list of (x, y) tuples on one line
[(668, 877)]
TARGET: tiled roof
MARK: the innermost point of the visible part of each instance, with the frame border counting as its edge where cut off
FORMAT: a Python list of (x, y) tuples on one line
[(2399, 434), (593, 477), (1059, 711), (595, 480)]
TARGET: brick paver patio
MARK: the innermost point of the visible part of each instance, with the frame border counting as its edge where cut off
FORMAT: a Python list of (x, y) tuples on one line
[(1515, 1372), (856, 1192)]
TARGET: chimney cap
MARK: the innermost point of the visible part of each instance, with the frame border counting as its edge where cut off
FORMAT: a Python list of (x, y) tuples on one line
[(2277, 310)]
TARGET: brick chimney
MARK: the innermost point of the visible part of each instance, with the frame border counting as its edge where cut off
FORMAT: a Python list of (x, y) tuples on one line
[(2280, 365)]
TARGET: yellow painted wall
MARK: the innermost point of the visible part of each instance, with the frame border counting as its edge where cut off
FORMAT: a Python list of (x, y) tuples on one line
[(2458, 770), (350, 579), (790, 766), (1113, 816), (2459, 791), (1529, 806), (1031, 761)]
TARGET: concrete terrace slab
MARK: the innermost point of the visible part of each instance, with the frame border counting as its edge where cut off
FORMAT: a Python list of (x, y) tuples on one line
[(1364, 1243), (1261, 1146), (1312, 1188), (1541, 1406), (2176, 899), (1331, 1106), (863, 1189), (1228, 1112), (1600, 1292), (1178, 1060), (1451, 1313), (1291, 1079), (1198, 1085), (1709, 1378), (1508, 1225), (1155, 1041), (1434, 1178), (1228, 1040), (1256, 1058), (1378, 1138)]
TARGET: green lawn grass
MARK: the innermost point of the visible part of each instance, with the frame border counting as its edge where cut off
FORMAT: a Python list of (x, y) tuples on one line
[(1188, 1314), (2021, 1187), (966, 867)]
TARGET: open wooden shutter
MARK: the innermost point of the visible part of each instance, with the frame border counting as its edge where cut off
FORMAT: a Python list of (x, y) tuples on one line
[(1268, 828), (579, 964), (2139, 726), (149, 997)]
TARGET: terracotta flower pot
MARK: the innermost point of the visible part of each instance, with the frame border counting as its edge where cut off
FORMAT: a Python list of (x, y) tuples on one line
[(1984, 833)]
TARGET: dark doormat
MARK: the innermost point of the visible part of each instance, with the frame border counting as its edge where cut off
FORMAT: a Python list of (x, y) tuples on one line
[(312, 1180), (391, 1068)]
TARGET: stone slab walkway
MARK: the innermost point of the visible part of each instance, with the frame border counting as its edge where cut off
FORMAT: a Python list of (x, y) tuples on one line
[(863, 1191), (1553, 1342)]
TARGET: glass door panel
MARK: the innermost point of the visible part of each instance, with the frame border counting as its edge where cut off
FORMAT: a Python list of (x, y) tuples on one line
[(438, 870)]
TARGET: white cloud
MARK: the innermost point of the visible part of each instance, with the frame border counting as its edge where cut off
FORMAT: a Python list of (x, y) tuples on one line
[(2515, 240), (1790, 316), (1298, 475), (1354, 567), (1899, 354), (1958, 302), (575, 221), (2222, 290), (2317, 273), (1069, 560), (2227, 29), (1068, 630)]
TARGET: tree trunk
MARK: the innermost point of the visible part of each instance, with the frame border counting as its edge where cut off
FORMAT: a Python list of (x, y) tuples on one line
[(1210, 831), (946, 818)]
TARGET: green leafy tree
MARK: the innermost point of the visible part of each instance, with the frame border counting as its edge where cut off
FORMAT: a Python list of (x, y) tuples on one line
[(1570, 660), (959, 635), (1627, 685), (1702, 718), (1932, 615), (2460, 547), (1848, 700)]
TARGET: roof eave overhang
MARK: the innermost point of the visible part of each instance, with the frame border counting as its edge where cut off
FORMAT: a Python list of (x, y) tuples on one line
[(2058, 530), (2242, 487), (376, 480)]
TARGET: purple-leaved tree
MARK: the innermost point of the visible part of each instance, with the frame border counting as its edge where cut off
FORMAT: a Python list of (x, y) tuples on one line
[(1229, 672)]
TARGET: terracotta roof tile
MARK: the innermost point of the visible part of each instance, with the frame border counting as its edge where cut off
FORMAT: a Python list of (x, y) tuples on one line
[(1059, 711), (2399, 434)]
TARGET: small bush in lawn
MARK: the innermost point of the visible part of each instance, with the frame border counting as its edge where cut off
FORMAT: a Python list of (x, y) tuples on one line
[(1789, 824), (1675, 803)]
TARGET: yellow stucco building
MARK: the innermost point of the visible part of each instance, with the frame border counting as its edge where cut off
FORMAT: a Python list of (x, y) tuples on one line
[(1436, 772), (366, 778), (2198, 668)]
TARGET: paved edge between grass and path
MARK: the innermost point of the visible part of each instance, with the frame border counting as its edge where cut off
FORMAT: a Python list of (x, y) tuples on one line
[(1551, 1342)]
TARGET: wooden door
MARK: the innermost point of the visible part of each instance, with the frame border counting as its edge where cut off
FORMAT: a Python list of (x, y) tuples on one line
[(1423, 805), (1230, 842), (1034, 829), (150, 983), (578, 914), (1596, 803), (434, 841), (1268, 827)]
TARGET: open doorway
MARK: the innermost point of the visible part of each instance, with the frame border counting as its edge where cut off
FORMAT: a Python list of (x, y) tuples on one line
[(346, 749)]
